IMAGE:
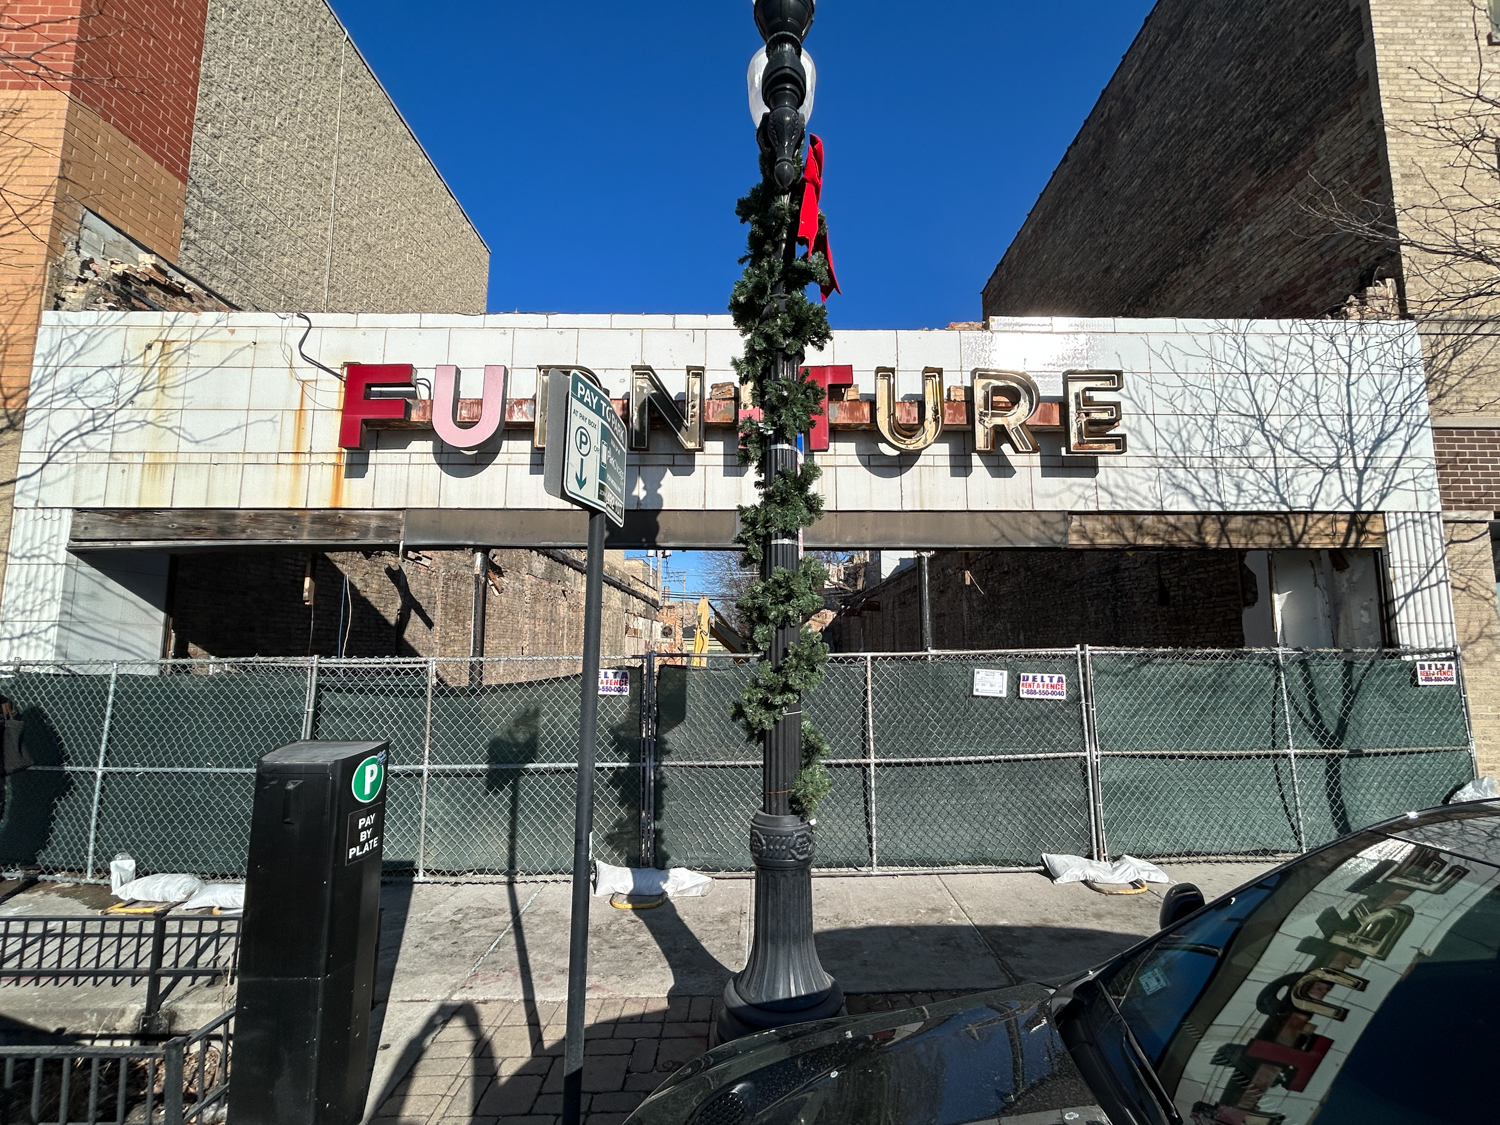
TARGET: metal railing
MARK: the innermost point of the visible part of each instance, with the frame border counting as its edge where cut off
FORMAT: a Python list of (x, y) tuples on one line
[(158, 949), (1163, 753), (183, 1080)]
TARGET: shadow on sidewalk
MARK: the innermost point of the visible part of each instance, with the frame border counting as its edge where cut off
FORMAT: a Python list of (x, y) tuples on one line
[(504, 1058), (692, 965)]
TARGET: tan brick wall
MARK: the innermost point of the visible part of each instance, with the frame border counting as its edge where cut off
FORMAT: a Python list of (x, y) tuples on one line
[(1473, 569), (1432, 55), (30, 143), (107, 172), (30, 146), (56, 156)]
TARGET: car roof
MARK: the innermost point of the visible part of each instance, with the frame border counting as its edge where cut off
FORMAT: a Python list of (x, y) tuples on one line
[(1470, 829)]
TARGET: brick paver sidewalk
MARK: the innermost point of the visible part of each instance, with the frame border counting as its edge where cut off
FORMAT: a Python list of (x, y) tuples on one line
[(500, 1063)]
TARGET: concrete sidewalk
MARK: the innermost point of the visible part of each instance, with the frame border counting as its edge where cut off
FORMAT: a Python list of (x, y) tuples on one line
[(472, 976)]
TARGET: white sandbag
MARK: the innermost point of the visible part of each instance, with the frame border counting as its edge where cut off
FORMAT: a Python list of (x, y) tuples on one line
[(1126, 869), (677, 883), (160, 888), (1480, 789), (121, 871), (226, 896), (682, 883)]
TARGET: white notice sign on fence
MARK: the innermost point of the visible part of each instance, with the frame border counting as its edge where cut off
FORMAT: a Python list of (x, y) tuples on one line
[(991, 682), (1043, 685), (614, 681), (1437, 673)]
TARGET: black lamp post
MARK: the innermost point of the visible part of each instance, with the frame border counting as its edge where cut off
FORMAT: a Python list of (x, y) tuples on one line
[(783, 982)]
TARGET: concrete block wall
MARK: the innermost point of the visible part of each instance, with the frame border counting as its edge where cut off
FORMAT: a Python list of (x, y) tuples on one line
[(307, 190)]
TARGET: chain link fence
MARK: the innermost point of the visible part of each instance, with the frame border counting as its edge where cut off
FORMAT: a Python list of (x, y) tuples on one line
[(939, 760)]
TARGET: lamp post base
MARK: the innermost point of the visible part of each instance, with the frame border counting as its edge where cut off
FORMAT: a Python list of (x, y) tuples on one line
[(741, 1018), (784, 982)]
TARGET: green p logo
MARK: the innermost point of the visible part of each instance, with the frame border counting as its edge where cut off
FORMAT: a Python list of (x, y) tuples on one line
[(369, 776)]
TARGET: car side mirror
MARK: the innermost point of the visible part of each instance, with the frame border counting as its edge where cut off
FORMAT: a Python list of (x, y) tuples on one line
[(1180, 900)]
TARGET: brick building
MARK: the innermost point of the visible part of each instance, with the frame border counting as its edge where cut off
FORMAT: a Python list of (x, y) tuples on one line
[(249, 153), (196, 155), (1286, 158), (428, 603)]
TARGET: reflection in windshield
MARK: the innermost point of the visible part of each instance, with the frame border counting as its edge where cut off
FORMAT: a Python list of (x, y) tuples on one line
[(1251, 1010)]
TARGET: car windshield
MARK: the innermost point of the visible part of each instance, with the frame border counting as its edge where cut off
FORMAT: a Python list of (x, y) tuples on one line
[(1361, 985)]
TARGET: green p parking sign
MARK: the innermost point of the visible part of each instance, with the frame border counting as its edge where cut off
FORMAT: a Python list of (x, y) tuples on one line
[(369, 778)]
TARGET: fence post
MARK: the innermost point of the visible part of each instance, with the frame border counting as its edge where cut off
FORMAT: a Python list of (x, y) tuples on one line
[(109, 712), (426, 763), (648, 762), (153, 970), (1092, 766), (874, 833), (1463, 702), (312, 700), (171, 1095), (1299, 828)]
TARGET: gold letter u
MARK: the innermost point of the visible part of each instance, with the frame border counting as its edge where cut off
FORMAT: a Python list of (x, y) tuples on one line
[(909, 439)]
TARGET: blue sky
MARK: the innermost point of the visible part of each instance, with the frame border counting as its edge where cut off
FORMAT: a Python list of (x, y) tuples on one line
[(599, 147)]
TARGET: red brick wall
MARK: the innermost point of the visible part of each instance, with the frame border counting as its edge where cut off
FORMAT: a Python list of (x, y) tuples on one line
[(1468, 463), (134, 62)]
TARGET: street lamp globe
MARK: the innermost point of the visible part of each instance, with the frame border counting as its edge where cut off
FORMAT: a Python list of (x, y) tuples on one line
[(757, 73)]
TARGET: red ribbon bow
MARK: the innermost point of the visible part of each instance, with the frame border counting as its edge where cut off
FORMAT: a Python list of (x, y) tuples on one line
[(812, 227)]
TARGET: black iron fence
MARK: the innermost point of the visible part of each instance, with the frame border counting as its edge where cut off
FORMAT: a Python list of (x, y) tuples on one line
[(160, 950), (178, 1082), (1090, 751)]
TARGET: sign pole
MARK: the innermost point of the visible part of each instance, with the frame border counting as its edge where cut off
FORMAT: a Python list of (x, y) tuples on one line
[(584, 464), (583, 825)]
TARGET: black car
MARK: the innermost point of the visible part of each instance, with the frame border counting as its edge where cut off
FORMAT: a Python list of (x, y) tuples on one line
[(1356, 985)]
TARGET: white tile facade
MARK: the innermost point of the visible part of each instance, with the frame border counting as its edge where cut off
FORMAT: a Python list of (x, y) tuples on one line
[(230, 410), (161, 410)]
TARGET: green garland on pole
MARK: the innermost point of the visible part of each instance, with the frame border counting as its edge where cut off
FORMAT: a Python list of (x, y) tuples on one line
[(789, 323)]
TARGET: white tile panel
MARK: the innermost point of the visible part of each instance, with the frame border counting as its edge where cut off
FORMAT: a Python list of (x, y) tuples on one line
[(1129, 485), (609, 349), (661, 482), (723, 348), (450, 320), (190, 486), (524, 486), (334, 348), (225, 480), (916, 350), (641, 320), (674, 351), (480, 347), (539, 347), (578, 320), (212, 431), (423, 348), (274, 485), (1067, 487)]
